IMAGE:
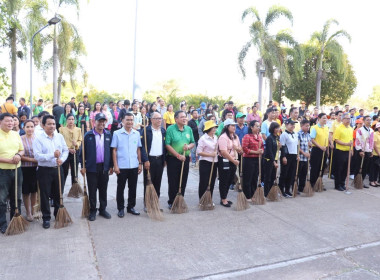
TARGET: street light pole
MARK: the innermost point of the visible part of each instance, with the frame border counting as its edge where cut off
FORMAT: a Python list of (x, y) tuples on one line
[(261, 75), (52, 21), (134, 57)]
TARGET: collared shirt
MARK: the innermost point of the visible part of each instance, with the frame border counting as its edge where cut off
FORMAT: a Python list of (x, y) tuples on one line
[(290, 140), (99, 140), (252, 117), (9, 108), (178, 138), (297, 127), (251, 143), (265, 127), (44, 148), (156, 146), (126, 145), (240, 132), (71, 135), (28, 150), (137, 120), (334, 125), (169, 117), (304, 139), (320, 134), (364, 139), (376, 142), (226, 144), (344, 134), (208, 145), (38, 130), (10, 144)]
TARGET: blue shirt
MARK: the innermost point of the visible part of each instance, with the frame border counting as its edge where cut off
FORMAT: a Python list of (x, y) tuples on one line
[(126, 145), (265, 127), (240, 132)]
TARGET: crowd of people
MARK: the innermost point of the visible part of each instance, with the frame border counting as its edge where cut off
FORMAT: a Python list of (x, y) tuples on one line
[(131, 138)]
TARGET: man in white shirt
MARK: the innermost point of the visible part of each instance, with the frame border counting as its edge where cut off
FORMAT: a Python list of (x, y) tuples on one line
[(153, 156), (38, 129), (50, 150), (161, 108)]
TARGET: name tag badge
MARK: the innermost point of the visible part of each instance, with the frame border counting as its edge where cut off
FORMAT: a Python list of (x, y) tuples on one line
[(187, 136), (107, 139)]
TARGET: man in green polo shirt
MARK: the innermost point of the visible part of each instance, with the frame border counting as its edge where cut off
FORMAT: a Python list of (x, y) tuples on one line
[(179, 140)]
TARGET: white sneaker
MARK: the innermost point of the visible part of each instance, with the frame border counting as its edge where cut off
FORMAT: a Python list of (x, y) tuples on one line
[(352, 177)]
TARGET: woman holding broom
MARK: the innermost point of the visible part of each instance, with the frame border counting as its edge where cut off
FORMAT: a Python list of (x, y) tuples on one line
[(228, 143), (73, 139), (29, 170), (253, 147), (207, 151)]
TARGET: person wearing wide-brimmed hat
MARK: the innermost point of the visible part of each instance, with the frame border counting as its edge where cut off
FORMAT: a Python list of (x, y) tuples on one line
[(207, 152)]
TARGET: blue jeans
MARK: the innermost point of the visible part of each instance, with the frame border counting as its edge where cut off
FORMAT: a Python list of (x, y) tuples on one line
[(7, 188), (193, 153)]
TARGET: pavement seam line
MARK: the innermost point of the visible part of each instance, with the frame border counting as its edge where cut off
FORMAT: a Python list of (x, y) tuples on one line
[(94, 251), (265, 267)]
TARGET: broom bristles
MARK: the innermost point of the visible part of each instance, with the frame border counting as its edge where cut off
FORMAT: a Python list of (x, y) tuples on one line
[(259, 198), (205, 203), (358, 181), (17, 225), (308, 190), (86, 205), (152, 203), (179, 205), (318, 187), (76, 191), (63, 218), (295, 188), (242, 203), (274, 193)]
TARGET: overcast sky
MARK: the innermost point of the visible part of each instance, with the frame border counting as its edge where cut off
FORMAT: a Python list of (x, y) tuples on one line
[(197, 42)]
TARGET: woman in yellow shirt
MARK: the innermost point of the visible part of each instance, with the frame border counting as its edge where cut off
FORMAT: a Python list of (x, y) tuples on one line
[(169, 116), (375, 159)]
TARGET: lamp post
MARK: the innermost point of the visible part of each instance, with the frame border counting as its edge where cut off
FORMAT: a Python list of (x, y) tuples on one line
[(52, 21), (134, 56), (261, 68)]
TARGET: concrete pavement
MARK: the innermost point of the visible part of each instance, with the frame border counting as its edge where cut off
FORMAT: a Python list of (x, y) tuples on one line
[(328, 236)]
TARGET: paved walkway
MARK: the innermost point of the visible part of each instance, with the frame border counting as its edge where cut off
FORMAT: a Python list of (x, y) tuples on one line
[(329, 236)]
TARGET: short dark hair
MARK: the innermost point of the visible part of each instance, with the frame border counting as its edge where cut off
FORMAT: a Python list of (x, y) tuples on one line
[(72, 98), (40, 100), (230, 102), (292, 109), (251, 123), (352, 109), (375, 117), (85, 96), (128, 114), (193, 111), (22, 114), (305, 121), (28, 121), (10, 98), (273, 126), (34, 117), (254, 104), (127, 102), (320, 116), (43, 113), (375, 108), (22, 98), (332, 113), (176, 114), (46, 117), (70, 115), (365, 117), (338, 112), (4, 115), (361, 110)]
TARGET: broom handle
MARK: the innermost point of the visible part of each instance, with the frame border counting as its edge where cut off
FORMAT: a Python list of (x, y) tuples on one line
[(323, 159), (59, 184), (146, 146), (259, 163), (298, 159), (75, 164), (332, 153), (180, 178), (348, 167), (361, 165), (83, 160), (212, 168), (16, 202)]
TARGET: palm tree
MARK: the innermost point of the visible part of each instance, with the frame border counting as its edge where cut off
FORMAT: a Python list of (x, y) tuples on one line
[(270, 47), (24, 18), (328, 43)]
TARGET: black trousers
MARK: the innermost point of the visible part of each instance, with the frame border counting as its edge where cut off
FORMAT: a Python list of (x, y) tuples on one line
[(288, 173), (70, 162), (270, 175), (131, 175), (355, 165), (174, 173), (341, 165), (97, 181), (250, 175), (366, 163), (302, 174), (373, 169), (204, 176), (156, 170), (331, 159), (226, 177), (49, 187), (315, 163)]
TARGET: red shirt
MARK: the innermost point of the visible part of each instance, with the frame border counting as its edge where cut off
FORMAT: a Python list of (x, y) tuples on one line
[(251, 142)]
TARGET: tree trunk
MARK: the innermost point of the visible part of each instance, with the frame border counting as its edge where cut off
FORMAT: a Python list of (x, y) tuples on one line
[(319, 82), (56, 100), (260, 89), (14, 62), (59, 88)]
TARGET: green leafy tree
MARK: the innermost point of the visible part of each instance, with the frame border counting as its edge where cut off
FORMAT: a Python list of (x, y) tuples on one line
[(326, 42), (374, 98)]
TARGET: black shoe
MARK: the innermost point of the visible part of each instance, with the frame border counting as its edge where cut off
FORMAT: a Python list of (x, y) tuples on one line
[(105, 214), (120, 214), (46, 224), (51, 203), (366, 187), (133, 211), (3, 229), (324, 189), (229, 202), (92, 217), (170, 206), (225, 205)]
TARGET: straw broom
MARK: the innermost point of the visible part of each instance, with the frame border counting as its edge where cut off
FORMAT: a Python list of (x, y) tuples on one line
[(63, 218), (358, 180), (258, 196), (295, 186), (242, 203), (86, 202), (18, 224), (37, 214), (331, 160), (179, 205), (275, 193), (151, 199), (76, 190), (308, 190), (348, 169), (205, 203), (318, 186)]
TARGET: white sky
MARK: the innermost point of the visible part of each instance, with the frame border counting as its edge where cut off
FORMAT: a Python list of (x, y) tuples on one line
[(197, 42)]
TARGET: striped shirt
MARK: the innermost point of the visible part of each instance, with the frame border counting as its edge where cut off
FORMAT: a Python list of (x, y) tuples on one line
[(304, 139), (28, 149)]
